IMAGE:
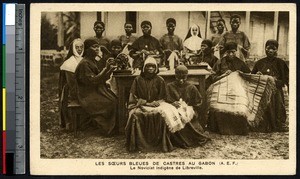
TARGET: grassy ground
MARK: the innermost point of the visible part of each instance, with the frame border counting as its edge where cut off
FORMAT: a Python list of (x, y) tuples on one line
[(58, 143)]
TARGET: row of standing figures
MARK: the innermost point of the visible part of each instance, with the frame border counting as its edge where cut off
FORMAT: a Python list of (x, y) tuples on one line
[(192, 45)]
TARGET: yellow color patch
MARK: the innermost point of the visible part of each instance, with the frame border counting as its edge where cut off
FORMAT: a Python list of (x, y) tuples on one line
[(4, 109)]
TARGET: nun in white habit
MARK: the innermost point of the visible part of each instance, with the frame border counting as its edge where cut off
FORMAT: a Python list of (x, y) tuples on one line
[(193, 40)]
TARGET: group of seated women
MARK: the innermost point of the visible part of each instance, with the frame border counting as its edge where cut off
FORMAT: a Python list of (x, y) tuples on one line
[(161, 116), (164, 116), (241, 100)]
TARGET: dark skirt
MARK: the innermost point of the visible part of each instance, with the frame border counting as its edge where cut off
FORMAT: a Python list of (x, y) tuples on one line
[(227, 124), (147, 131), (101, 106), (274, 119), (189, 136)]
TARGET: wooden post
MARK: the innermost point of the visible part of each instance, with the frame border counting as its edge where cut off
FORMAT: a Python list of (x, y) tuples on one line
[(105, 20), (247, 23), (99, 16), (189, 20), (275, 31), (60, 31), (207, 25)]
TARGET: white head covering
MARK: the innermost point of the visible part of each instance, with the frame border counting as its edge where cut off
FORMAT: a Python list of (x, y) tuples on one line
[(74, 58), (194, 41), (150, 60)]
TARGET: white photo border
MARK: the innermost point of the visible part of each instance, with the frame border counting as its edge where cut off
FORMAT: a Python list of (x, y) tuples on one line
[(39, 166)]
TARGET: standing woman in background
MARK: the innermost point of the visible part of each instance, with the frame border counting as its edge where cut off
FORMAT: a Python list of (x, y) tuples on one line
[(99, 28), (171, 44), (217, 37), (128, 38), (67, 88), (145, 46), (236, 36)]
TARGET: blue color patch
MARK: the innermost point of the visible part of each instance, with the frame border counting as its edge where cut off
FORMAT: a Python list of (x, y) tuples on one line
[(3, 23)]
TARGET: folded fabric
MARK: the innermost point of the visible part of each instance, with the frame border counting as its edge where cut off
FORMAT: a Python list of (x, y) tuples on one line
[(242, 94), (172, 59), (174, 118), (186, 112)]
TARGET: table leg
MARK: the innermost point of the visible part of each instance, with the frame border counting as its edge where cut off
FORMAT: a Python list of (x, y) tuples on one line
[(202, 91), (121, 109)]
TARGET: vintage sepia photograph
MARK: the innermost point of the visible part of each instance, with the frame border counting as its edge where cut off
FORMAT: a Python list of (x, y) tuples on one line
[(138, 89)]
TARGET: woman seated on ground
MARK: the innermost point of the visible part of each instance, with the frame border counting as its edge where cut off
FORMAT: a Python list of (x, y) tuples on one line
[(153, 124), (206, 54), (184, 95), (229, 63), (67, 89), (146, 131), (94, 95), (218, 120), (275, 115)]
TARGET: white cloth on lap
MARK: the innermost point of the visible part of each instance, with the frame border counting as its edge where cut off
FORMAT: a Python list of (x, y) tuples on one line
[(174, 118)]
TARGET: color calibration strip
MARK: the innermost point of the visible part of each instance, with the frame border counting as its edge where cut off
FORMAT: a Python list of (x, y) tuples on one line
[(3, 142), (9, 92), (13, 91), (3, 89)]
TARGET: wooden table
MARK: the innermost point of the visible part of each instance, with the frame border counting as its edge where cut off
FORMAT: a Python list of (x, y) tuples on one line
[(196, 77)]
